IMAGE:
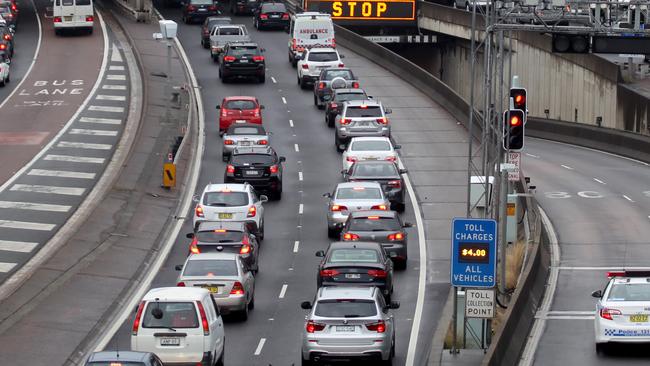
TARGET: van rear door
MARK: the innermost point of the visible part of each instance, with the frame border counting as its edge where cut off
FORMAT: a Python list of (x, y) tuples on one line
[(317, 32)]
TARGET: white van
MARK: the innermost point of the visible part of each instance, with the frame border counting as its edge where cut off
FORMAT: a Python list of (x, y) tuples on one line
[(307, 30), (73, 14), (180, 325)]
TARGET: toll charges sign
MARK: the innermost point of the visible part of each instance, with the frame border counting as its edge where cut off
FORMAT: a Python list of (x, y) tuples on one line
[(365, 11), (473, 252)]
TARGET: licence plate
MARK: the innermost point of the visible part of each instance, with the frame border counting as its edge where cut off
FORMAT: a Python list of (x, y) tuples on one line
[(245, 143), (225, 215), (201, 9), (240, 121), (250, 172), (212, 289), (170, 341), (275, 16), (345, 328), (243, 61), (67, 18), (639, 318), (352, 275)]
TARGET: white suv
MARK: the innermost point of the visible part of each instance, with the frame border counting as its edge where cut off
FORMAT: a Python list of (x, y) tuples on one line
[(179, 325), (231, 202), (313, 60)]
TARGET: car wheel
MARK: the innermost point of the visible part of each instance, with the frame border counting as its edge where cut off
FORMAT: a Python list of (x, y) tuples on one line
[(316, 101), (401, 264), (224, 157), (303, 84), (251, 304), (261, 79), (332, 233), (220, 360), (399, 207), (3, 82), (339, 145), (601, 348), (261, 236), (244, 313), (306, 362), (277, 195)]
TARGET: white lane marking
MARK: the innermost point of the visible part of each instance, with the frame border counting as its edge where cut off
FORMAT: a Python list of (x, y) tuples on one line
[(532, 156), (594, 150), (603, 268), (273, 80), (422, 275), (113, 87), (102, 108), (296, 246), (34, 206), (84, 145), (300, 209), (116, 67), (599, 181), (284, 100), (83, 131), (106, 121), (10, 224), (17, 246), (565, 317), (74, 159), (291, 122), (115, 55), (566, 167), (300, 176), (627, 198), (283, 291), (528, 355), (571, 312), (61, 174), (37, 188), (117, 98), (115, 77), (4, 266), (295, 146), (258, 350)]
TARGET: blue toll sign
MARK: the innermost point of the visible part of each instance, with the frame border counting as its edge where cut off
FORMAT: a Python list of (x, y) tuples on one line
[(473, 252)]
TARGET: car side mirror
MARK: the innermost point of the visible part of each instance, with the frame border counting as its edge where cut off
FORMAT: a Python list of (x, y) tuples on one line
[(320, 253), (264, 198), (262, 107), (328, 195), (298, 57), (597, 294), (393, 305), (195, 198), (344, 172), (189, 235), (178, 267), (342, 56), (407, 224), (282, 159), (403, 171), (369, 96), (218, 107), (397, 147), (305, 305), (388, 111)]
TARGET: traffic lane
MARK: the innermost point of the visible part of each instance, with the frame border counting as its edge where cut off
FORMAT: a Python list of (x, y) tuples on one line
[(51, 94), (25, 44)]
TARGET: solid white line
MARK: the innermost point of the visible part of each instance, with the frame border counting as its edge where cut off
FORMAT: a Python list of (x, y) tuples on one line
[(295, 146), (61, 174), (36, 188), (258, 350), (284, 100), (113, 87), (532, 156), (102, 108), (422, 274), (106, 121), (627, 198), (10, 224), (300, 209), (291, 122), (296, 245), (84, 145), (4, 266), (300, 176), (34, 206), (31, 65), (603, 268), (17, 246), (566, 167), (599, 181), (566, 317), (82, 131), (116, 67), (273, 80), (283, 291), (115, 77), (74, 159), (570, 312), (116, 98), (115, 55), (594, 150)]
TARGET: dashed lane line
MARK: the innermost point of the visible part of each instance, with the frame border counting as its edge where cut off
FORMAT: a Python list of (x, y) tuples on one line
[(115, 98), (599, 181), (17, 246), (300, 176), (84, 145), (296, 147), (566, 167), (116, 77), (284, 100), (113, 87), (273, 80), (37, 188), (283, 291), (34, 206), (291, 122), (106, 121), (83, 131), (116, 68), (296, 246), (61, 174), (628, 198), (102, 108), (300, 209), (74, 159), (260, 345), (24, 225)]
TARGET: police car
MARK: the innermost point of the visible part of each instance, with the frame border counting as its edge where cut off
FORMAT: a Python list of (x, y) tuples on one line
[(623, 309)]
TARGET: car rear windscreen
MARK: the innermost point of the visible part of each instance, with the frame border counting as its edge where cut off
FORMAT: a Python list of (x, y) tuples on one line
[(344, 97), (362, 193), (219, 236), (247, 130), (370, 169), (225, 199), (240, 104), (629, 292), (354, 255), (252, 159), (345, 308), (375, 223), (322, 56), (210, 267), (240, 51), (174, 315), (229, 31), (273, 8), (345, 74), (367, 111), (370, 145)]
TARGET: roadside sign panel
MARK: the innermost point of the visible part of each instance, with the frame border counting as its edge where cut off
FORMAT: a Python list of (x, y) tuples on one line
[(479, 303), (473, 252), (515, 159)]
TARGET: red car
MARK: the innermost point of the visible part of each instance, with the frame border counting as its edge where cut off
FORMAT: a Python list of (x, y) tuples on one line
[(239, 110)]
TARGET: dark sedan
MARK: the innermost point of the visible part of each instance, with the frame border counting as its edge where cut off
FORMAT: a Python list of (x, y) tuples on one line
[(356, 264), (243, 6), (227, 237), (331, 79), (261, 167), (384, 227), (386, 174), (194, 10), (126, 358), (271, 15), (339, 96)]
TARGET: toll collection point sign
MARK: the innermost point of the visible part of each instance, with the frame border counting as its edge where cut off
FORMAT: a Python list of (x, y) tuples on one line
[(479, 303), (473, 252)]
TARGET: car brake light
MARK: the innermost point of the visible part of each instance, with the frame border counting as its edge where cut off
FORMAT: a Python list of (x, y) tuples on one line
[(305, 66), (198, 211), (138, 316), (285, 16), (336, 208), (180, 284), (252, 211), (611, 274), (321, 85), (607, 313), (7, 37), (341, 65), (230, 169), (258, 58), (396, 236), (245, 249), (194, 249), (229, 58), (89, 18), (355, 85), (346, 121), (264, 17), (395, 183), (373, 217), (13, 7), (262, 142), (3, 46), (351, 159), (57, 19), (379, 327), (333, 105), (350, 237), (314, 327), (204, 318), (377, 273), (228, 142), (379, 207), (273, 169), (391, 158), (237, 289), (293, 43), (212, 8), (382, 120), (191, 8), (329, 272)]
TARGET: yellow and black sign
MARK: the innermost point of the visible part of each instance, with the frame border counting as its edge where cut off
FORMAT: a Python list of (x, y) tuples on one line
[(366, 11), (169, 175)]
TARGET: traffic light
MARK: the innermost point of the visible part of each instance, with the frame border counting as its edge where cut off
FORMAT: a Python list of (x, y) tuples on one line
[(570, 43), (513, 129), (518, 96)]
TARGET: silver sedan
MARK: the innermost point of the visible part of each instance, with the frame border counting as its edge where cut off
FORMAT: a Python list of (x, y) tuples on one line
[(350, 197), (243, 135)]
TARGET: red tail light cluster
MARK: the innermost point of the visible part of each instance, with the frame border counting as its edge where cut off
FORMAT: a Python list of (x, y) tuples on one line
[(379, 327), (229, 58), (252, 211), (262, 142), (258, 58), (355, 85), (335, 208), (273, 169), (212, 8), (391, 158), (264, 17), (341, 65), (138, 316), (228, 142), (305, 66), (395, 184), (198, 211), (180, 284), (333, 105), (382, 120), (377, 273), (204, 318), (245, 249), (346, 121), (396, 236), (285, 16), (312, 327), (351, 159), (607, 313), (237, 289), (89, 18), (329, 273), (57, 19), (379, 207), (191, 8), (350, 237), (230, 169), (321, 85), (194, 249), (7, 37)]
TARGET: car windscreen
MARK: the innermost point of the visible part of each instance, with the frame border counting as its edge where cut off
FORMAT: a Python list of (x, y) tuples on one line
[(252, 159), (345, 308), (358, 193), (82, 2), (210, 267), (219, 236), (225, 199), (274, 8), (344, 97), (322, 56), (629, 292), (370, 169), (229, 31), (239, 51), (354, 255), (345, 74), (240, 104), (374, 223), (370, 145), (363, 111), (174, 315), (246, 130)]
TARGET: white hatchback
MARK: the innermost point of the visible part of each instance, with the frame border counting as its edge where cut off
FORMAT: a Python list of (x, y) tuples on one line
[(369, 148), (180, 325)]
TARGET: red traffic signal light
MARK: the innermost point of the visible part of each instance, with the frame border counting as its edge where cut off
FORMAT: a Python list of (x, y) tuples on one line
[(518, 96), (513, 129), (514, 121)]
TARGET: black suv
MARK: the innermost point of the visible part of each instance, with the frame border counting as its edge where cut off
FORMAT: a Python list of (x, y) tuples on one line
[(271, 15), (242, 59), (261, 167), (334, 107), (227, 237), (194, 10)]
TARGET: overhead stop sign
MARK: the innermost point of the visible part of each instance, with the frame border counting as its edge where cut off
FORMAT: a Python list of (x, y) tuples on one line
[(473, 252)]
